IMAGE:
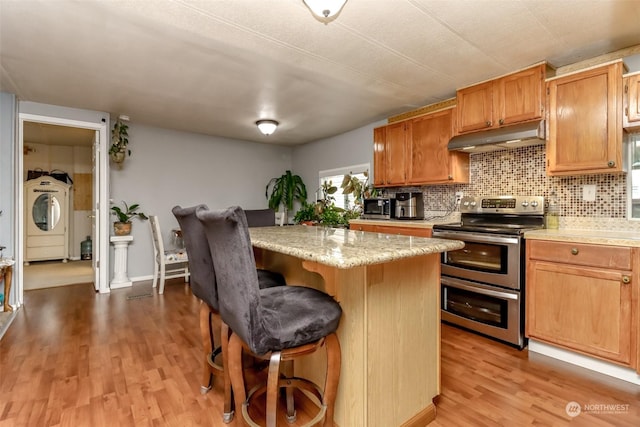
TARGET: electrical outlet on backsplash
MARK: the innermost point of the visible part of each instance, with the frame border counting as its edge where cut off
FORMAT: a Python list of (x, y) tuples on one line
[(521, 171)]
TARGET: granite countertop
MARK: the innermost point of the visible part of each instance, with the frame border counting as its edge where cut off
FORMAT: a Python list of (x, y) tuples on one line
[(597, 237), (344, 248)]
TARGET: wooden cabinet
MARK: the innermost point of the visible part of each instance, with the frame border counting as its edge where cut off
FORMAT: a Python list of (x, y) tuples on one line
[(585, 113), (430, 161), (391, 229), (379, 156), (397, 137), (581, 296), (631, 86), (414, 152), (515, 98)]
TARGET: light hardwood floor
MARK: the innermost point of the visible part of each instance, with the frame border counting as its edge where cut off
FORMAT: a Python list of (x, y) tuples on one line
[(76, 358)]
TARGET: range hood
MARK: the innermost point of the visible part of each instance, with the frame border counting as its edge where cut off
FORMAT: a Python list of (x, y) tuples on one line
[(514, 136)]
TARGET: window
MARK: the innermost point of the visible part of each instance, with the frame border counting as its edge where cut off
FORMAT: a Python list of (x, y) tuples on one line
[(335, 176)]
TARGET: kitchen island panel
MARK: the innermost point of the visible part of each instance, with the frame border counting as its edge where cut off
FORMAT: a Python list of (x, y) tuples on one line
[(389, 334)]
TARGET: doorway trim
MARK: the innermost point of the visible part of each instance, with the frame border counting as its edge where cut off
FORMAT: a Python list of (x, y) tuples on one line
[(102, 200)]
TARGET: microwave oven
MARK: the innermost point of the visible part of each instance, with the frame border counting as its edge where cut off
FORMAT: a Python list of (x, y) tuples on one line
[(382, 208)]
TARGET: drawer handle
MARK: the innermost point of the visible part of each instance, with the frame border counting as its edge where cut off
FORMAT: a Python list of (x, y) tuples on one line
[(574, 251), (626, 279)]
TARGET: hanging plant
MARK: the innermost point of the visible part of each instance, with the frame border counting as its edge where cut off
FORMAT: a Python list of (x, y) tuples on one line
[(119, 141)]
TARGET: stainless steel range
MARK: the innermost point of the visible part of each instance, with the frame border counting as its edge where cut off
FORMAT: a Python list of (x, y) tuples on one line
[(483, 283)]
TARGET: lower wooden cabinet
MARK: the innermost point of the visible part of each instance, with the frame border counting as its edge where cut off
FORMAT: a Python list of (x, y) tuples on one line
[(390, 229), (583, 297)]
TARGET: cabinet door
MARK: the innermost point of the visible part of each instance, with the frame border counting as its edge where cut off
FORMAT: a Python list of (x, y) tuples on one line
[(379, 157), (584, 309), (475, 107), (585, 135), (519, 96), (632, 101), (396, 136), (430, 160)]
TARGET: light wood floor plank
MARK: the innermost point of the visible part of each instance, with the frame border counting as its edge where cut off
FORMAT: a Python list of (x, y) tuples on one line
[(76, 358)]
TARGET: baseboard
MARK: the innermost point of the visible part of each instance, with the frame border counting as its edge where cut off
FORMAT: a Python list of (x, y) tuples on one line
[(593, 364)]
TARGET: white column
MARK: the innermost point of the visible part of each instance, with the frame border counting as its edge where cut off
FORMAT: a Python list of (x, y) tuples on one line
[(121, 245)]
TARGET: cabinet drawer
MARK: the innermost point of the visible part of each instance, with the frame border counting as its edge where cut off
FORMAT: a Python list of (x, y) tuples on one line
[(44, 241), (581, 254)]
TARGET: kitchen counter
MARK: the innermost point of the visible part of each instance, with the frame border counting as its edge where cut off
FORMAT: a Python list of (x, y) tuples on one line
[(342, 248), (418, 223), (596, 237), (389, 289)]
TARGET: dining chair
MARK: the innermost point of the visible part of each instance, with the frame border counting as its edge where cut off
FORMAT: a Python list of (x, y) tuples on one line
[(276, 324), (203, 286), (168, 264)]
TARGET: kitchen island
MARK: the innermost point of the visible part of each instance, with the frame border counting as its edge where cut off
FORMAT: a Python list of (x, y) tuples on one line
[(389, 289)]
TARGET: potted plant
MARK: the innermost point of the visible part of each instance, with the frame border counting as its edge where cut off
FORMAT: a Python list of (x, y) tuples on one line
[(122, 227), (306, 214), (284, 190), (119, 142)]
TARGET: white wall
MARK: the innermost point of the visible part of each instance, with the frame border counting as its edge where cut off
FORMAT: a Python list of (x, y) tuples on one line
[(350, 148), (168, 168), (7, 171)]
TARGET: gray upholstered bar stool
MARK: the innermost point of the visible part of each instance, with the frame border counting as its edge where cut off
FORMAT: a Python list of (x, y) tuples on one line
[(203, 286), (275, 324)]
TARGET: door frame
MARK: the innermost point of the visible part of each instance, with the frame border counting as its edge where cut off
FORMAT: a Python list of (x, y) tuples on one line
[(101, 214)]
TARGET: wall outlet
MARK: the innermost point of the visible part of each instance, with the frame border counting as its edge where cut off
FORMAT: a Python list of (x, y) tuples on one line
[(589, 193), (459, 195)]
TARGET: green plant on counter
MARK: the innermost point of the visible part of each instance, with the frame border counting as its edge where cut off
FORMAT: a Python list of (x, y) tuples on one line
[(333, 216), (306, 213), (360, 190)]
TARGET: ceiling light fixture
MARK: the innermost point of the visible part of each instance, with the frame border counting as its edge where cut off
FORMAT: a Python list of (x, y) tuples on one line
[(325, 9), (267, 127)]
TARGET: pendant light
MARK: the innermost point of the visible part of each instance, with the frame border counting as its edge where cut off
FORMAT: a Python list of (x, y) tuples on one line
[(267, 127), (325, 9)]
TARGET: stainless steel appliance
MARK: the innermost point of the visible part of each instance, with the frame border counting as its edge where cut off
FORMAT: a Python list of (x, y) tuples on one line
[(381, 208), (483, 283), (409, 206)]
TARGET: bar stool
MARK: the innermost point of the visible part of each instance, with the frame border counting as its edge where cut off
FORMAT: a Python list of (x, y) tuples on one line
[(276, 324), (203, 286)]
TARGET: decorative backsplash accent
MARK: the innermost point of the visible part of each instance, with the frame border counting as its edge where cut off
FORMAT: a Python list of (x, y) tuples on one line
[(521, 171)]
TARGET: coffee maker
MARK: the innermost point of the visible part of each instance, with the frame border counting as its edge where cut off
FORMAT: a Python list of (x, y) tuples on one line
[(409, 206)]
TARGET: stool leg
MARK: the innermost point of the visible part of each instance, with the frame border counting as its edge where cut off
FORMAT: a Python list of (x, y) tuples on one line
[(207, 344), (333, 376), (227, 366), (287, 372), (273, 380)]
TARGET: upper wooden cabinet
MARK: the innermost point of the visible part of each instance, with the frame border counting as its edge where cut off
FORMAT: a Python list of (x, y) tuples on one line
[(631, 85), (430, 161), (415, 152), (514, 98), (585, 113)]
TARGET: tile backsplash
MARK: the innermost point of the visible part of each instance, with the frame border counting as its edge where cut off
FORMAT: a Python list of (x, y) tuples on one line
[(521, 171)]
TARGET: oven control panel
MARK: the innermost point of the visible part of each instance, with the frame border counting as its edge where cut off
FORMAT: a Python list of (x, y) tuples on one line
[(520, 205)]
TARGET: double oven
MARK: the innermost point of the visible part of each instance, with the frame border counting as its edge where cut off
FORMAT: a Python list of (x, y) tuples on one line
[(483, 283)]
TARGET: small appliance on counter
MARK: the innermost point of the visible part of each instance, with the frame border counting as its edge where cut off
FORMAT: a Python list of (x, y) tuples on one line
[(380, 208), (409, 206)]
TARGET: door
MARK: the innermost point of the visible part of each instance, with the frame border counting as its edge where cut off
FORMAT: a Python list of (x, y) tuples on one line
[(95, 203), (100, 190)]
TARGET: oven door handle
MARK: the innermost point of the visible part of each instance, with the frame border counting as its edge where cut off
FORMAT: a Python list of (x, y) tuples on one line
[(475, 237), (476, 289)]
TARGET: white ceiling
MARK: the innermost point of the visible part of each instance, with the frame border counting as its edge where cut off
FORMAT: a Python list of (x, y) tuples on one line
[(215, 67)]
